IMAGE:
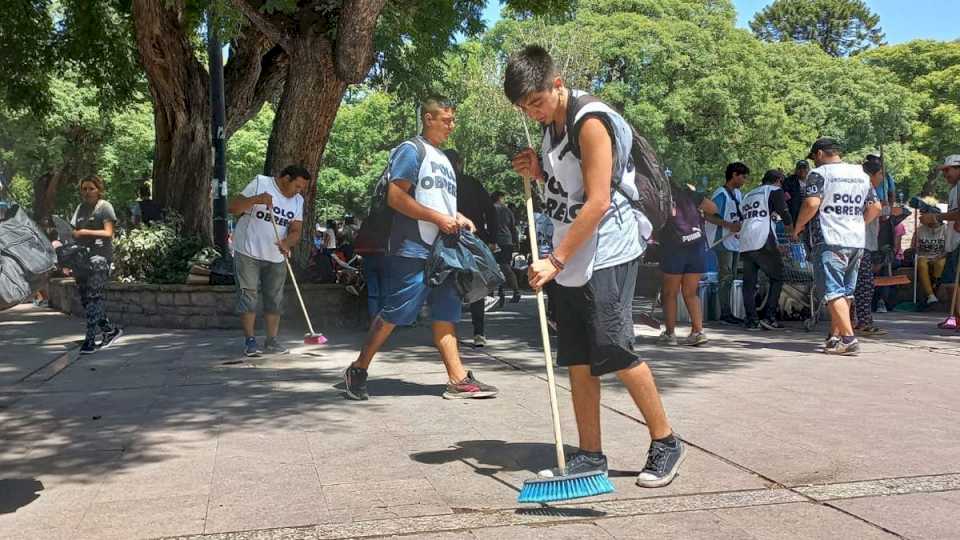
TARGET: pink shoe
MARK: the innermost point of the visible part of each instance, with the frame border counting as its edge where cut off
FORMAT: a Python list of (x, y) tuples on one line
[(950, 323)]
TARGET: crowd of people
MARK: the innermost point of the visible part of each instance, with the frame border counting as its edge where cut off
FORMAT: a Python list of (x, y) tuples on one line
[(590, 241)]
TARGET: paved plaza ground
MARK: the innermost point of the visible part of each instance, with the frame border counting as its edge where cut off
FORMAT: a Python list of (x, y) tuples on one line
[(175, 434)]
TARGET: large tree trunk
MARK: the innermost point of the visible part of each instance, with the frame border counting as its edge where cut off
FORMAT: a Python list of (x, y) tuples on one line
[(301, 128), (182, 164)]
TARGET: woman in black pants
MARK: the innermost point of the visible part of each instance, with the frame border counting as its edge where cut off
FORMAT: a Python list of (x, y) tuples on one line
[(94, 220)]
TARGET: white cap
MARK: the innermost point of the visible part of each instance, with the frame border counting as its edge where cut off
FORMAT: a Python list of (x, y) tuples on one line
[(951, 161)]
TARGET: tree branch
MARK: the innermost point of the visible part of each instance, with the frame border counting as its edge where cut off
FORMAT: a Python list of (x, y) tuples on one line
[(272, 26), (355, 30), (254, 74)]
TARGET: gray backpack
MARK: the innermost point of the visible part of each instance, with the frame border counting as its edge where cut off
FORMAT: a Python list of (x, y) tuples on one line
[(26, 256)]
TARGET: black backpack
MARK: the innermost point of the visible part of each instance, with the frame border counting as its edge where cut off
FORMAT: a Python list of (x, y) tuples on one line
[(374, 233), (655, 200)]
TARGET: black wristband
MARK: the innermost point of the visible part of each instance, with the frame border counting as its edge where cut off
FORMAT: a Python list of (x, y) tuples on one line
[(557, 263)]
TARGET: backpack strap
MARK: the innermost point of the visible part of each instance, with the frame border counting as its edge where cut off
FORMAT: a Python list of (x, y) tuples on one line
[(733, 198)]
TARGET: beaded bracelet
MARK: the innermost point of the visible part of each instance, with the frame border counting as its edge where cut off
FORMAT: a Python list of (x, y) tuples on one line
[(556, 262)]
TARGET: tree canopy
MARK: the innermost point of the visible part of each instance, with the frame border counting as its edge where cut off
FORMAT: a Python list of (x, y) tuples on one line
[(839, 27)]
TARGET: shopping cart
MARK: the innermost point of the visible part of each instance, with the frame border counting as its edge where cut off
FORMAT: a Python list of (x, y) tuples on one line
[(799, 297)]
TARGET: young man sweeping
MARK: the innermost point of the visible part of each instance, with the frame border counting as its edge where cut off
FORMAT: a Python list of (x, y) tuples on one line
[(595, 259)]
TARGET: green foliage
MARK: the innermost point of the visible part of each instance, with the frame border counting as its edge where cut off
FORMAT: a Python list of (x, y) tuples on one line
[(127, 159), (247, 149), (159, 253), (839, 27)]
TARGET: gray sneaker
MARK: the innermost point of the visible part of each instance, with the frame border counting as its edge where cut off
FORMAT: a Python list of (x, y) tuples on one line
[(696, 339), (578, 464), (663, 462), (355, 379), (272, 346), (830, 345), (666, 339), (844, 349), (469, 388)]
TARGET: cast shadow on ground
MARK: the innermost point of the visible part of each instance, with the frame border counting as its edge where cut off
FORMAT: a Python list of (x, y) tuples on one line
[(18, 492)]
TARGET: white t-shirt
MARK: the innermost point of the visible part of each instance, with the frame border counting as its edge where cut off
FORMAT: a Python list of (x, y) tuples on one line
[(254, 236)]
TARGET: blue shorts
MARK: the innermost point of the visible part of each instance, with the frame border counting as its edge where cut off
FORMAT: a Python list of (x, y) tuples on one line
[(407, 292), (836, 271), (678, 259)]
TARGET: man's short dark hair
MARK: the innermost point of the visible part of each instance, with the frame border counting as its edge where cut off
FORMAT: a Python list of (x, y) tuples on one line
[(455, 160), (736, 167), (772, 177), (144, 191), (872, 166), (496, 196), (295, 171), (530, 70), (434, 103)]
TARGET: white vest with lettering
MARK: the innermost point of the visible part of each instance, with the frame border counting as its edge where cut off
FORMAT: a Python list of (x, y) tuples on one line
[(616, 240), (757, 221), (715, 233), (842, 202)]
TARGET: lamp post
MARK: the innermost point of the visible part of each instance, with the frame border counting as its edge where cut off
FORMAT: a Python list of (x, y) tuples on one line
[(217, 131)]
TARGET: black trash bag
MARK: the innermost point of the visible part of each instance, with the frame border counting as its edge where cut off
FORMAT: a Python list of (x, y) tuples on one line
[(26, 256), (466, 259), (221, 271)]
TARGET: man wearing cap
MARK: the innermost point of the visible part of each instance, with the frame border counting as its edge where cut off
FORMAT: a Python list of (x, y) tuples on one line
[(793, 187), (951, 173), (839, 202)]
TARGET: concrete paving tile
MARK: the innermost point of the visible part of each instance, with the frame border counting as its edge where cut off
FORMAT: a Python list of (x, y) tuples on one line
[(798, 521), (144, 518), (151, 476), (921, 516), (365, 501), (268, 445), (695, 524), (370, 464), (439, 536), (58, 505), (253, 494), (568, 531)]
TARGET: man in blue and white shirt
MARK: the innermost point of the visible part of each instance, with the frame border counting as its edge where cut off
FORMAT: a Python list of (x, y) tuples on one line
[(423, 196)]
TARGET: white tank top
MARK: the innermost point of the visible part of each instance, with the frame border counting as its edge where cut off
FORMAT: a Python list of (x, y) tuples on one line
[(757, 221), (715, 233), (616, 240), (844, 198)]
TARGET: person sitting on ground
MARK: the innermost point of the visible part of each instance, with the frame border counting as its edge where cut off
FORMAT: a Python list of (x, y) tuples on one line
[(951, 173), (722, 230), (474, 202), (258, 255), (930, 243), (839, 202), (758, 248), (506, 239), (595, 261), (94, 221), (423, 195), (684, 259)]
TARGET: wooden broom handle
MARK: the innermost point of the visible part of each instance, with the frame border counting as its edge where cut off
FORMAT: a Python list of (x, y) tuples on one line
[(276, 232)]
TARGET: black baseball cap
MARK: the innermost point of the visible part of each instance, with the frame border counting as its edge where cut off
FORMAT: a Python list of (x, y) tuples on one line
[(802, 164), (823, 143)]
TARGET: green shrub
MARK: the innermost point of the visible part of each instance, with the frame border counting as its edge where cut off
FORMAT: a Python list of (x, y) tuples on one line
[(159, 253)]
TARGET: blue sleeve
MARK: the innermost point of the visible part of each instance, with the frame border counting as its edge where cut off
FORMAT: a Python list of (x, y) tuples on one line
[(405, 164), (721, 202)]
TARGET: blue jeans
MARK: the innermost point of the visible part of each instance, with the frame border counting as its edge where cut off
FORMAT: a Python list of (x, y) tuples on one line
[(836, 270), (407, 292), (373, 274)]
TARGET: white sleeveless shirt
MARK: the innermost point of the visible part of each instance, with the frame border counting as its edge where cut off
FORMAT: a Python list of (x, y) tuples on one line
[(757, 219), (729, 213), (846, 190)]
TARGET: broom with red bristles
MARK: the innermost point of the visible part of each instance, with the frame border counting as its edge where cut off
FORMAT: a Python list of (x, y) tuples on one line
[(311, 338)]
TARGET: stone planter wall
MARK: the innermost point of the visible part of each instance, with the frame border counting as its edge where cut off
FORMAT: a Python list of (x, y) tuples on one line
[(207, 306)]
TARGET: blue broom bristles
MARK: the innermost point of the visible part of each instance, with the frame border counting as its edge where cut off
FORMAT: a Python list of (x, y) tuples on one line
[(564, 488)]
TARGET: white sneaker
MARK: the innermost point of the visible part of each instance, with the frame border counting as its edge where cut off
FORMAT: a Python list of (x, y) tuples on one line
[(696, 339), (932, 299), (489, 303), (479, 341), (881, 307), (667, 339)]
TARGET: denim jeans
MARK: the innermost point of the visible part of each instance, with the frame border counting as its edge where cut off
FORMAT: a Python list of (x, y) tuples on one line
[(837, 269)]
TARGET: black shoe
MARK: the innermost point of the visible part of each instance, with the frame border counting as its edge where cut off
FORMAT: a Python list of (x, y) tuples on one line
[(88, 347), (580, 463), (730, 319), (771, 324), (516, 298), (663, 462), (752, 325), (355, 380), (500, 303), (111, 337)]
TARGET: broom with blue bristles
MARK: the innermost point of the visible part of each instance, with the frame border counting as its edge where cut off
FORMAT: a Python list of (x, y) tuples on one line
[(566, 486)]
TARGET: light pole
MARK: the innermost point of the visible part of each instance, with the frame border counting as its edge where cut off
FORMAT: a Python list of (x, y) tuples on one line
[(217, 131)]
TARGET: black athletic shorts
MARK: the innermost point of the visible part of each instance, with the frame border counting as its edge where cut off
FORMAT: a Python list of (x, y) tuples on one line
[(595, 321)]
